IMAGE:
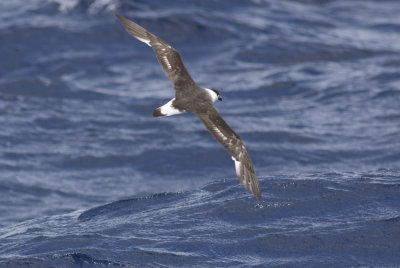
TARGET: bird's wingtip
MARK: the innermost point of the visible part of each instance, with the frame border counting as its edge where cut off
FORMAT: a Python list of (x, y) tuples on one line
[(119, 17), (255, 190)]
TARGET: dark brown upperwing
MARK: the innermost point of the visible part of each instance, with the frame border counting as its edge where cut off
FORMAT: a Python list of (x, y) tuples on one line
[(169, 59), (224, 134)]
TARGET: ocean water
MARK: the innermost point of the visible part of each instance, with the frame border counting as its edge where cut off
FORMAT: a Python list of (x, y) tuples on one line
[(88, 178)]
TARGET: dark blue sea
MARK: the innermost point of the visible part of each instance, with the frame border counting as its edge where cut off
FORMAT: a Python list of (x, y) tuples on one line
[(88, 178)]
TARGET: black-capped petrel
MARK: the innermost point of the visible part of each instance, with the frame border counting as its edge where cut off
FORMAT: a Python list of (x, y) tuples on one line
[(200, 101)]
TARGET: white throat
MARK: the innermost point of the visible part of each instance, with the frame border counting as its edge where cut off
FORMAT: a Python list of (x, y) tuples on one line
[(212, 94)]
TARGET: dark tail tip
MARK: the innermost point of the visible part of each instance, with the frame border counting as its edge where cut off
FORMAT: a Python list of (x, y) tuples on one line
[(157, 112)]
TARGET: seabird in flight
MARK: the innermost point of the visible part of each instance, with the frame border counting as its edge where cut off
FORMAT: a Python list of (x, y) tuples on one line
[(200, 101)]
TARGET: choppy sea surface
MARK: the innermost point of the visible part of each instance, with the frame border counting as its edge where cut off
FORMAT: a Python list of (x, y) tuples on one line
[(88, 178)]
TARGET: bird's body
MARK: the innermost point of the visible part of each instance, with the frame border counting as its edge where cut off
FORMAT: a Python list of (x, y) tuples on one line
[(200, 101)]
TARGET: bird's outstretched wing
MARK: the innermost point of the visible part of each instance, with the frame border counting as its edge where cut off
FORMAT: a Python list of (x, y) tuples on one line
[(223, 133), (167, 56)]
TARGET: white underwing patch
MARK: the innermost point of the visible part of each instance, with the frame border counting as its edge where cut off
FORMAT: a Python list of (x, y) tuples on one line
[(167, 62), (219, 133), (144, 41), (238, 166)]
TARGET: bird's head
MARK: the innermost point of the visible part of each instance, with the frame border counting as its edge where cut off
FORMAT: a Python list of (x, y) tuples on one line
[(214, 94)]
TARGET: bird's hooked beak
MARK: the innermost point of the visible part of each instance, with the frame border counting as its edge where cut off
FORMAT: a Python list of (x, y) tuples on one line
[(219, 98)]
